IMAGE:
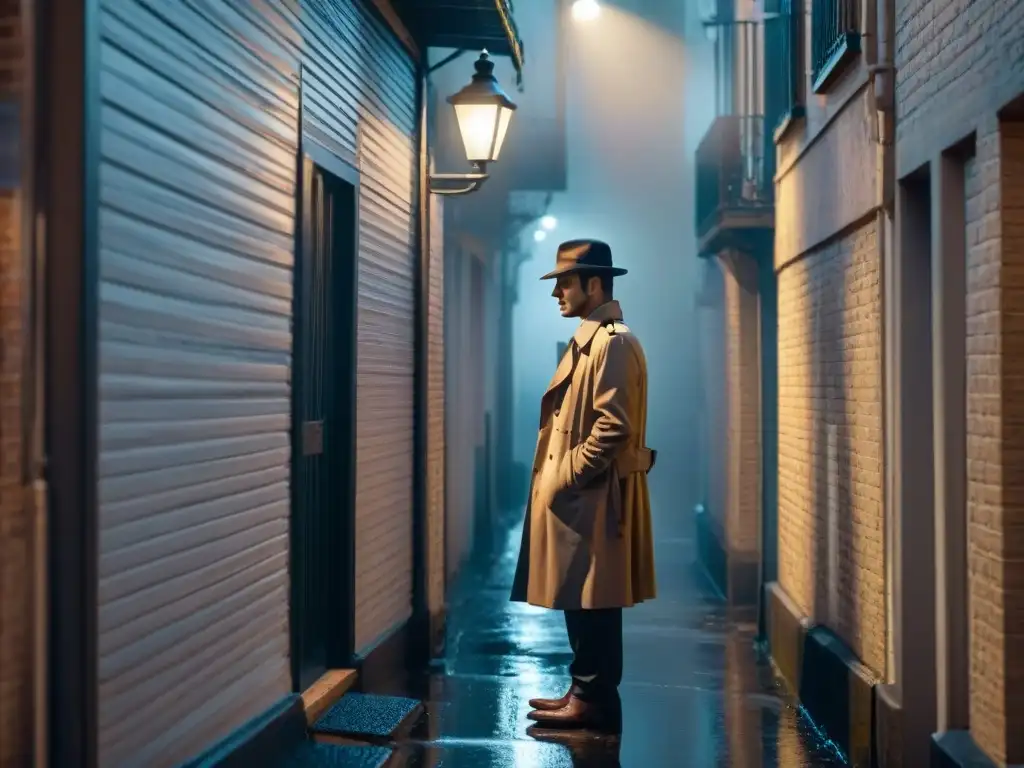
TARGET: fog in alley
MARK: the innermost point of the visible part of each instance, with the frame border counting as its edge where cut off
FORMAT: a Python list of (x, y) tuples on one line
[(638, 94)]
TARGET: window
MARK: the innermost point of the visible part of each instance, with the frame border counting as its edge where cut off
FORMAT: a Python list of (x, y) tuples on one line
[(835, 39), (784, 55)]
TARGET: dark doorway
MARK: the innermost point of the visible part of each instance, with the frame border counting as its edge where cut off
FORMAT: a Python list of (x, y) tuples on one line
[(323, 419)]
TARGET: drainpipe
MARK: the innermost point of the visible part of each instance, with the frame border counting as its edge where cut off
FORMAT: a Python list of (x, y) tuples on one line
[(882, 94), (422, 649)]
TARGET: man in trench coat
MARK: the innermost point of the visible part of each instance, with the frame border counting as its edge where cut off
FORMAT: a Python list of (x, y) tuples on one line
[(587, 546)]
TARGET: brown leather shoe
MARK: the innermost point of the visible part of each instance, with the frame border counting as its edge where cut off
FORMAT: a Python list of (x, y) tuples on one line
[(549, 704), (580, 714)]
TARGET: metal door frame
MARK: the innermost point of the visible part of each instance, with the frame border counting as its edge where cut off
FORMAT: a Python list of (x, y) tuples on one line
[(339, 569), (60, 241)]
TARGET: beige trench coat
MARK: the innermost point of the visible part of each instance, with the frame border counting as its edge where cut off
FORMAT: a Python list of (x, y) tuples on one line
[(587, 540)]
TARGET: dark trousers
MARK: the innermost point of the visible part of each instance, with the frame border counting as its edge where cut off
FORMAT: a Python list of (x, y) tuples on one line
[(596, 640)]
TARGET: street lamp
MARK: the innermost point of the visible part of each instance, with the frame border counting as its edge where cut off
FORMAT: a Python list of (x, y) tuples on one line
[(540, 235), (548, 222), (483, 113), (585, 10)]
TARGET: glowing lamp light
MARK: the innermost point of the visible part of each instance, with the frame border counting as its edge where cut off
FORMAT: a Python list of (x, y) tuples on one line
[(483, 112), (585, 10), (540, 235), (548, 222)]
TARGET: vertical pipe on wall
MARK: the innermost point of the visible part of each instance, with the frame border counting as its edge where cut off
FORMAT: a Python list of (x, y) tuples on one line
[(879, 61), (420, 646)]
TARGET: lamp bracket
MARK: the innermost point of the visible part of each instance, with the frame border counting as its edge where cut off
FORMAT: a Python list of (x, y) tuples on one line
[(448, 59), (458, 183), (467, 182)]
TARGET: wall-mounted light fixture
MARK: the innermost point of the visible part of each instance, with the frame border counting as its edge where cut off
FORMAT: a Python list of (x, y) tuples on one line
[(585, 10), (548, 222), (483, 112)]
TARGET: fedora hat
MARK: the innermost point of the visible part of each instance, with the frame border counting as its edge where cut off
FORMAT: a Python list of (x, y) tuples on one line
[(574, 255)]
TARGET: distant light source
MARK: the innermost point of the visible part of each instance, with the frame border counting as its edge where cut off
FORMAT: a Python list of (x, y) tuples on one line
[(549, 222), (585, 10), (711, 32), (539, 235)]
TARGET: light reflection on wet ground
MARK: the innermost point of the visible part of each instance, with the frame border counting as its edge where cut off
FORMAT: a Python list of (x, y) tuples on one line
[(694, 693)]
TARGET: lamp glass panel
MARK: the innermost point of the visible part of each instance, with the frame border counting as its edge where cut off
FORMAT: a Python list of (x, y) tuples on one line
[(503, 122), (477, 123)]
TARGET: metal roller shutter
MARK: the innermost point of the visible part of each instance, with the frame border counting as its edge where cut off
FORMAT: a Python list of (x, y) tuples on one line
[(359, 100), (199, 114)]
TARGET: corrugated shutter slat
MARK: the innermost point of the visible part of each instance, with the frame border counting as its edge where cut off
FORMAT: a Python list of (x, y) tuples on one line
[(359, 95), (196, 226)]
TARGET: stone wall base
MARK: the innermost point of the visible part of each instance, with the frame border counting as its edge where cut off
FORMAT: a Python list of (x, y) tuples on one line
[(835, 688)]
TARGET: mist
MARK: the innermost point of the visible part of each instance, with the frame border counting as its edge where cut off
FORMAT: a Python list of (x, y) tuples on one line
[(632, 123)]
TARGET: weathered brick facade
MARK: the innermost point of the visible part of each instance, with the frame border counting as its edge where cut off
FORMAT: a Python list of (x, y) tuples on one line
[(831, 554), (960, 64), (1011, 182), (743, 422), (731, 421), (995, 446)]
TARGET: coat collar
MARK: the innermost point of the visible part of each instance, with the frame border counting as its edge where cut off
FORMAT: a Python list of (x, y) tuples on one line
[(610, 310)]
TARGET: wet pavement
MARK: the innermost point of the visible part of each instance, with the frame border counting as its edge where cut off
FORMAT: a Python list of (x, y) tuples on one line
[(694, 693)]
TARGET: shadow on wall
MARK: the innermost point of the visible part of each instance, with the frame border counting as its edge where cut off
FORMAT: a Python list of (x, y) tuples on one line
[(629, 183)]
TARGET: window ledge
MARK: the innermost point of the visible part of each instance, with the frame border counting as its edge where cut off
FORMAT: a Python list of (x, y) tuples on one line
[(845, 50), (792, 117)]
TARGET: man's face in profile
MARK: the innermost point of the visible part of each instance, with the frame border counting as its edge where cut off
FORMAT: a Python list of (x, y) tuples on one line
[(572, 298)]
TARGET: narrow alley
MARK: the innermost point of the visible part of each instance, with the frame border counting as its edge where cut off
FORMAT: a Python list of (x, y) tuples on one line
[(304, 303), (693, 695)]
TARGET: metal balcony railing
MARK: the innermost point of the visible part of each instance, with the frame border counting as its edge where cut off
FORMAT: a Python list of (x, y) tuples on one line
[(835, 37), (734, 169)]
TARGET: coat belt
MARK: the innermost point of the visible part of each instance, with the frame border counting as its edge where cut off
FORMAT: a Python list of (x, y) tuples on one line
[(636, 460)]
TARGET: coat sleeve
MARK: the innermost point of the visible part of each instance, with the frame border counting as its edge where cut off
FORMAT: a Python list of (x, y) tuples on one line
[(616, 374)]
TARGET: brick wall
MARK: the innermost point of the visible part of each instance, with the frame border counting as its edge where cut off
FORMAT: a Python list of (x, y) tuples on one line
[(712, 411), (954, 58), (1011, 180), (959, 62), (955, 61), (995, 443), (983, 450), (15, 530), (831, 550), (743, 405)]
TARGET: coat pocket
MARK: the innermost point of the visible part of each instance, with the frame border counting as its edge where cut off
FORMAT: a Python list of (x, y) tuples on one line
[(576, 509)]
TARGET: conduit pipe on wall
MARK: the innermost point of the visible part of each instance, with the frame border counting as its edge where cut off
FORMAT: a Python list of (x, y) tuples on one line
[(882, 95)]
